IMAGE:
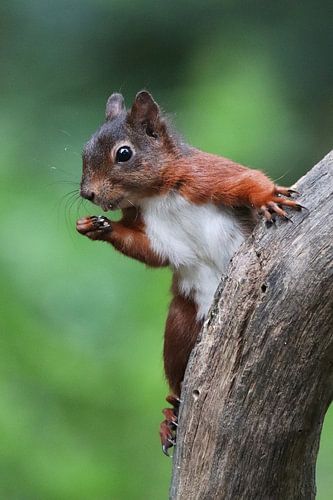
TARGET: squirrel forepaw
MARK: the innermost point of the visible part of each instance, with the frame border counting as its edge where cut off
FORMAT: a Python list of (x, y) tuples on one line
[(275, 205), (94, 227)]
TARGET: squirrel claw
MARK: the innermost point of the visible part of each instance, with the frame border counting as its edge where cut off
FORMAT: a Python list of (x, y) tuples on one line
[(292, 191), (166, 446), (173, 400), (165, 450), (283, 191)]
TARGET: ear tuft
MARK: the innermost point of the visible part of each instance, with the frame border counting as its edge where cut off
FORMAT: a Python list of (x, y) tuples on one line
[(145, 109), (115, 106)]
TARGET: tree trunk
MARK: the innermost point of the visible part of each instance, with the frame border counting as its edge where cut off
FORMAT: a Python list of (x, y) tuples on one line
[(260, 379)]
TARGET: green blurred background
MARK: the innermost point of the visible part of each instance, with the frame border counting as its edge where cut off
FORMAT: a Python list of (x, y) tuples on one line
[(81, 377)]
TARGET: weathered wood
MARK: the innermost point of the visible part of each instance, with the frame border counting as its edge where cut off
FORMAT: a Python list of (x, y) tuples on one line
[(260, 380)]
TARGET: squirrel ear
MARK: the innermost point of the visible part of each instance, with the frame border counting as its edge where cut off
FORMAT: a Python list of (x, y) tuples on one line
[(114, 106), (144, 108)]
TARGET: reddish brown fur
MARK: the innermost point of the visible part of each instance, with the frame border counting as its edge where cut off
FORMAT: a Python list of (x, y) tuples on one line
[(181, 332), (233, 185)]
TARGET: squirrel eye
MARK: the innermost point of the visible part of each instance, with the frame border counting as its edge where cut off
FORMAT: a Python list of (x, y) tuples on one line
[(124, 154)]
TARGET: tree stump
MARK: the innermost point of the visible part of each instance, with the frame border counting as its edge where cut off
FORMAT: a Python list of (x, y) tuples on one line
[(260, 379)]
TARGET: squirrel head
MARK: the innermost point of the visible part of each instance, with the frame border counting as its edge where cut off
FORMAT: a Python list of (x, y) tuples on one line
[(124, 160)]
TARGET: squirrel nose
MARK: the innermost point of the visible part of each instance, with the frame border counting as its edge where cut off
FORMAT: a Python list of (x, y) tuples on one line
[(87, 194)]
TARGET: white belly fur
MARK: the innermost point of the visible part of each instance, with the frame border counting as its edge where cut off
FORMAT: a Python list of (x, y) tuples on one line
[(198, 240)]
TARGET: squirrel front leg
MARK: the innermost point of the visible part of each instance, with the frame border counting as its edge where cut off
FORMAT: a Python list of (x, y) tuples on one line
[(222, 181), (253, 188), (127, 237)]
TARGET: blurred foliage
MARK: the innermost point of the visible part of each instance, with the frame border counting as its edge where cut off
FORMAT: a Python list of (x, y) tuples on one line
[(81, 326)]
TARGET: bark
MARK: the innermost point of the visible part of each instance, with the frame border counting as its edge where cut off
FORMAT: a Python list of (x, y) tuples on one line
[(260, 379)]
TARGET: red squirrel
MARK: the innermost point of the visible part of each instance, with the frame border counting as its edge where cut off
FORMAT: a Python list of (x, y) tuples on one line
[(181, 208)]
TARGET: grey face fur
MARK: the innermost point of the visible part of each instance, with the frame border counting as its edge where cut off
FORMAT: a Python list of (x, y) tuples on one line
[(107, 182)]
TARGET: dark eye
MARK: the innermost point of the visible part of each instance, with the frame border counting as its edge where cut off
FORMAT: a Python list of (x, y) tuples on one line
[(124, 154)]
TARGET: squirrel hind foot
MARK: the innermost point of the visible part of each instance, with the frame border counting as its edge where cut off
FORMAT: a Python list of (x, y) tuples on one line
[(168, 428)]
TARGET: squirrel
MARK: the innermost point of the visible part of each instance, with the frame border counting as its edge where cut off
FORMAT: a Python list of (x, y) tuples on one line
[(181, 207)]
